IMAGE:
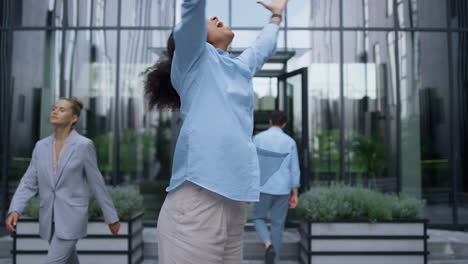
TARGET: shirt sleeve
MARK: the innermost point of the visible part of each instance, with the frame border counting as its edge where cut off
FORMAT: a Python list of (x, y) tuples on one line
[(294, 167), (190, 35), (255, 140), (263, 48)]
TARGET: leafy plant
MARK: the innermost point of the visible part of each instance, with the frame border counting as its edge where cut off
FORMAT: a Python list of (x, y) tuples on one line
[(345, 202), (137, 148), (325, 155), (32, 209), (369, 154), (127, 201)]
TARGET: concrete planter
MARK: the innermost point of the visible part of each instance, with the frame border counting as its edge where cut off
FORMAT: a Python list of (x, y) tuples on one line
[(356, 242), (98, 247)]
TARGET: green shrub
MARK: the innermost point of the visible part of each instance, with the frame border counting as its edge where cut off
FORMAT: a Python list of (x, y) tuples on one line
[(127, 201), (32, 210), (345, 202)]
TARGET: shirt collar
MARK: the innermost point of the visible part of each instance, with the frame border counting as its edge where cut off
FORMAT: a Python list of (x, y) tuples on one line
[(225, 53), (275, 129)]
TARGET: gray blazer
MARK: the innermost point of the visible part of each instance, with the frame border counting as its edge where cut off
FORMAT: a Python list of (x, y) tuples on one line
[(64, 197)]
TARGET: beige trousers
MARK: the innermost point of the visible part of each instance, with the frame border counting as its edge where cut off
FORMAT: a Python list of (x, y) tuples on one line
[(197, 226)]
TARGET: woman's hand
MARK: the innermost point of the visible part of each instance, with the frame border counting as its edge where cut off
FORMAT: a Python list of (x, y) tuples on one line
[(276, 6), (11, 221), (114, 228)]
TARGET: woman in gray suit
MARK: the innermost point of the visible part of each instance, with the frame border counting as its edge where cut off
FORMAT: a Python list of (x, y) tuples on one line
[(63, 170)]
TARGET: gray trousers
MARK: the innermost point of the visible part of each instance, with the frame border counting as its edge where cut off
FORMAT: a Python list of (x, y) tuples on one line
[(198, 226), (61, 251)]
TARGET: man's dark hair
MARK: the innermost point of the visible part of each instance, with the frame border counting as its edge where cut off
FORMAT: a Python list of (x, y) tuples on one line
[(278, 118)]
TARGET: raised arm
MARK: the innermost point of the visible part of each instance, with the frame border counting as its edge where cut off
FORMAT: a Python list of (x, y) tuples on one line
[(276, 7), (26, 190), (265, 45), (190, 35)]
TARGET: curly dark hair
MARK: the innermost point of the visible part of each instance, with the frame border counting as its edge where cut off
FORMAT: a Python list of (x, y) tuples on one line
[(158, 87)]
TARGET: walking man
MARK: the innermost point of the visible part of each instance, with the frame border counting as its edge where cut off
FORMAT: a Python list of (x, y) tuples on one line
[(280, 191)]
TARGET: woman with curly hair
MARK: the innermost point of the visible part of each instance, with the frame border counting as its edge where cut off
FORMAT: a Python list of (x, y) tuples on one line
[(215, 167)]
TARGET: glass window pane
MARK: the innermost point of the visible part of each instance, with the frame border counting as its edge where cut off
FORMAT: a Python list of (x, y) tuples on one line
[(51, 13), (324, 47), (35, 13), (313, 13), (422, 13), (370, 110), (32, 95), (245, 38), (90, 74), (294, 110), (104, 13), (460, 107), (458, 13), (390, 4), (265, 92), (425, 138), (142, 13), (353, 13), (146, 136), (219, 8), (300, 40), (367, 13), (265, 101), (93, 12), (323, 62), (247, 13), (77, 13)]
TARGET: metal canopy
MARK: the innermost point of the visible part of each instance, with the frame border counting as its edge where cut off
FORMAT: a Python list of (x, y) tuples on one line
[(281, 57)]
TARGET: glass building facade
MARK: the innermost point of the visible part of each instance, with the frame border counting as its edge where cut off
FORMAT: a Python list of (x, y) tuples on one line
[(376, 90)]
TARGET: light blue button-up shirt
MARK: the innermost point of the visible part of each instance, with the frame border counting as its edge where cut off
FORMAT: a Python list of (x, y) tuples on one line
[(214, 149), (288, 175)]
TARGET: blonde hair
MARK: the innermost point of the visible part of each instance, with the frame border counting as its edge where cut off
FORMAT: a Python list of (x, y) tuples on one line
[(76, 105)]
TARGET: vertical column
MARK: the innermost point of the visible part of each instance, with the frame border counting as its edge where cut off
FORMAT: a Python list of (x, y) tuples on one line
[(116, 161), (342, 113), (6, 85), (453, 157)]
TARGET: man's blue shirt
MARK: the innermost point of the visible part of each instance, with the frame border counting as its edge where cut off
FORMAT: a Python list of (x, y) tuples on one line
[(288, 175)]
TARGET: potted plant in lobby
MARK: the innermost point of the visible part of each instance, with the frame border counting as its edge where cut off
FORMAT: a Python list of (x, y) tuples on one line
[(343, 224), (99, 246)]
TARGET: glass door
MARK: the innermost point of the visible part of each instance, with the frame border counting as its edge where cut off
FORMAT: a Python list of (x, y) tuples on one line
[(292, 100)]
